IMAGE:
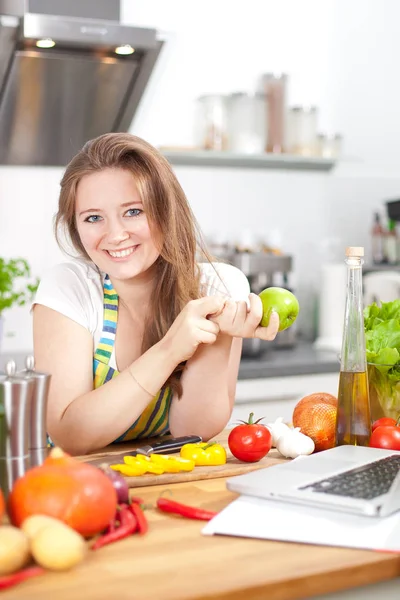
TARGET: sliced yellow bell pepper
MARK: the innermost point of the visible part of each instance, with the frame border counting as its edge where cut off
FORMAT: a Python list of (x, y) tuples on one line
[(204, 453), (144, 462), (139, 458), (155, 464), (155, 469), (131, 470), (172, 464)]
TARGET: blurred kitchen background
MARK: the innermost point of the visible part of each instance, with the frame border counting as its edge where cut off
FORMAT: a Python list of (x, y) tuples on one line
[(314, 83)]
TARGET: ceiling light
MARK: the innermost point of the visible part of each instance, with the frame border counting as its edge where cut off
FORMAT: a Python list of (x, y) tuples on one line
[(125, 49), (45, 43)]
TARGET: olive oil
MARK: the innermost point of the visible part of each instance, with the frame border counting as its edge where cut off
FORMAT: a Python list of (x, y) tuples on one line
[(353, 419), (353, 424)]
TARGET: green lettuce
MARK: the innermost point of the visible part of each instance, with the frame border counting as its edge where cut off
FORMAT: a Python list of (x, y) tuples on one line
[(382, 339)]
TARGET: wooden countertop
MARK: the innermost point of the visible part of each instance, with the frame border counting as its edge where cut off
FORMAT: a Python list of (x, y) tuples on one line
[(173, 561)]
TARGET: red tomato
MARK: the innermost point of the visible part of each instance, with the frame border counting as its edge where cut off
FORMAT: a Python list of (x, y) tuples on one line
[(383, 421), (386, 436), (251, 441)]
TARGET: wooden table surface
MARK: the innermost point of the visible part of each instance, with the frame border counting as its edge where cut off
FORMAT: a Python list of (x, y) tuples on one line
[(174, 561)]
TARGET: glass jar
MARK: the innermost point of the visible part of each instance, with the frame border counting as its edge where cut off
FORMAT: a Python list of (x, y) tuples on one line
[(329, 146), (246, 123), (302, 130), (384, 391), (211, 122), (274, 88)]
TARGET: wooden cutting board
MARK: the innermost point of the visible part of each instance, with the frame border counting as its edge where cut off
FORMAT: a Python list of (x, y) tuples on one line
[(231, 468)]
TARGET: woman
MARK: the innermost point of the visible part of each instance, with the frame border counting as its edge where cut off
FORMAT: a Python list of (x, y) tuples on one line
[(171, 364)]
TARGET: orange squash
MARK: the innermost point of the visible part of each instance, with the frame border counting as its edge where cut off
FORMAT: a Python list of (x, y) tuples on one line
[(77, 493)]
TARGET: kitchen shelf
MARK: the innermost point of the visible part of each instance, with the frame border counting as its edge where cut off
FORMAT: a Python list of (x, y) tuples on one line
[(212, 158)]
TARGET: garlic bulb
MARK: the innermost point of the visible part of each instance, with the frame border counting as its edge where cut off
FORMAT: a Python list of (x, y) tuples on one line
[(277, 429), (293, 443)]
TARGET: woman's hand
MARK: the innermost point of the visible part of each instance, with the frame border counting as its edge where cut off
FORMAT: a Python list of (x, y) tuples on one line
[(192, 327), (240, 320)]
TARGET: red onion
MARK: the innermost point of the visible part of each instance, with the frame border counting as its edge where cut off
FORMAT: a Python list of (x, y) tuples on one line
[(119, 483)]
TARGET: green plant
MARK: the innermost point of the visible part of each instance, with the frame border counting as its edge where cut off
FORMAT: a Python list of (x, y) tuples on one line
[(10, 294)]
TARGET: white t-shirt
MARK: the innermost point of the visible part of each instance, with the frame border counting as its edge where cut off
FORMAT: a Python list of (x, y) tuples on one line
[(75, 289)]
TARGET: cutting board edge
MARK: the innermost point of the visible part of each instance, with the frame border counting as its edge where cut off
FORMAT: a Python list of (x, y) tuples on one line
[(210, 473)]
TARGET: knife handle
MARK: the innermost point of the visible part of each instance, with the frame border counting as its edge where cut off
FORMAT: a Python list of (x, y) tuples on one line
[(174, 444)]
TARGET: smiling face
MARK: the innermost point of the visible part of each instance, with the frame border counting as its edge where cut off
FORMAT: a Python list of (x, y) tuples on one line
[(112, 224)]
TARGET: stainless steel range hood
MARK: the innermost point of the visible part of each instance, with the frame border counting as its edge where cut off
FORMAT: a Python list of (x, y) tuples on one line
[(52, 100)]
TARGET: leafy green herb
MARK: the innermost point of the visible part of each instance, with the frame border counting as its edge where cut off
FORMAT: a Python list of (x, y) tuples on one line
[(10, 293)]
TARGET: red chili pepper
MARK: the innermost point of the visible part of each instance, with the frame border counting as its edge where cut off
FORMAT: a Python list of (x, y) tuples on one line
[(137, 500), (128, 525), (7, 581), (110, 527), (143, 525), (191, 512)]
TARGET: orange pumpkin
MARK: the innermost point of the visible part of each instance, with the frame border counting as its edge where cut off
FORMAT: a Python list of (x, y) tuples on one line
[(59, 458), (315, 414), (77, 493)]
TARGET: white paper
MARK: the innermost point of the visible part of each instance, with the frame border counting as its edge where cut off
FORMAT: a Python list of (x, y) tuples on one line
[(273, 520)]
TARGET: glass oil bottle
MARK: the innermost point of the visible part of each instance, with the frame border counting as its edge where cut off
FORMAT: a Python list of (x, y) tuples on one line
[(353, 422)]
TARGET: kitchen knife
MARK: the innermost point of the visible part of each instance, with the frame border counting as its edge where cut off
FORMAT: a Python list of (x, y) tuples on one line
[(164, 447)]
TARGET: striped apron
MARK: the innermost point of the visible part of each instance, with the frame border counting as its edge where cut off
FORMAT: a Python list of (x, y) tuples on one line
[(154, 419)]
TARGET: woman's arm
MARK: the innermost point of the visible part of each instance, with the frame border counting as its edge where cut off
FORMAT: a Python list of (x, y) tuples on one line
[(209, 385), (81, 419), (209, 380)]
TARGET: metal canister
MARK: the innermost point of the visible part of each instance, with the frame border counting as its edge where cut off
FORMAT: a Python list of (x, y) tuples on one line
[(37, 443), (15, 399)]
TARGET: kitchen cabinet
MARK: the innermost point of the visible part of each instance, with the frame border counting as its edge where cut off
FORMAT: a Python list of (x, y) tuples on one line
[(273, 397)]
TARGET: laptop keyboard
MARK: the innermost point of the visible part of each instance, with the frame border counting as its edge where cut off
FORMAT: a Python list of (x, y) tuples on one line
[(366, 482)]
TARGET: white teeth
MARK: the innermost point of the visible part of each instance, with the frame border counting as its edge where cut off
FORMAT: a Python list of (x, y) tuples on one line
[(121, 253)]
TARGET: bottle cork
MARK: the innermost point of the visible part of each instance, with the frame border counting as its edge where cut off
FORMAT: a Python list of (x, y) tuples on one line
[(355, 251)]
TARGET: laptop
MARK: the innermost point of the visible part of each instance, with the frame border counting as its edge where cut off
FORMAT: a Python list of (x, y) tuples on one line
[(353, 479)]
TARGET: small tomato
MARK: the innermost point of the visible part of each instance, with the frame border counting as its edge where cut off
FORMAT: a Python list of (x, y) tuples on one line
[(386, 436), (383, 421), (251, 441)]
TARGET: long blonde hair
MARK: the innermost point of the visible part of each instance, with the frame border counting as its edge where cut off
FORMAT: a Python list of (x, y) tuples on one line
[(170, 219)]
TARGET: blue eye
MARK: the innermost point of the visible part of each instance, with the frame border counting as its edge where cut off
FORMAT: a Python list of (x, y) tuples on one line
[(133, 212), (93, 219)]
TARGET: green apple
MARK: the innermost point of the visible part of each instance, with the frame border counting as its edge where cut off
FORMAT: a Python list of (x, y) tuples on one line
[(281, 301)]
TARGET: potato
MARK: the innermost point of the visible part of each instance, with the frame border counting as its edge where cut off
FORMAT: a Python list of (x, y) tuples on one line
[(58, 547), (14, 549), (32, 525)]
